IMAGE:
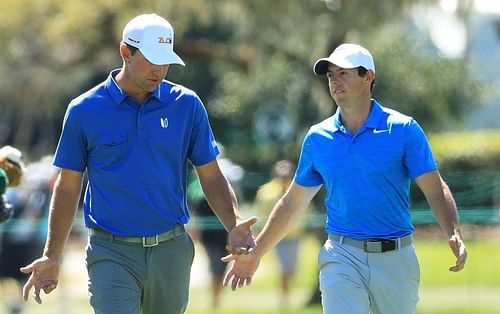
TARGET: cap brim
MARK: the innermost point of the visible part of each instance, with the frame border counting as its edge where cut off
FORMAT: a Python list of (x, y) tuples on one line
[(161, 57), (321, 66)]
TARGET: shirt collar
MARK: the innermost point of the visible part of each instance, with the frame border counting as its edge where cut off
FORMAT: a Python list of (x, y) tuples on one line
[(120, 95), (376, 114), (372, 122)]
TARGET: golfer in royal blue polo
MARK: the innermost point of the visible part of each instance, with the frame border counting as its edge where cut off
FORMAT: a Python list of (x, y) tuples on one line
[(365, 156), (135, 135)]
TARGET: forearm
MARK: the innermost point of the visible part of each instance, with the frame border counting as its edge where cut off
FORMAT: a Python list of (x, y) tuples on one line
[(62, 213), (222, 199), (285, 214), (279, 222), (445, 211)]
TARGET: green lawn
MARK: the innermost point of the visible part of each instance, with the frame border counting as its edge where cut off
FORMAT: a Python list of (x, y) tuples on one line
[(475, 290)]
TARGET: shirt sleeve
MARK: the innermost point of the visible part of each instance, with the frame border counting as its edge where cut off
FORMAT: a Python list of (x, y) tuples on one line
[(203, 147), (70, 152), (306, 174), (418, 157)]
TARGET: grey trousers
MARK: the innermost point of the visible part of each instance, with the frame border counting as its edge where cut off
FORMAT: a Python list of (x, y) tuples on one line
[(354, 281), (127, 278)]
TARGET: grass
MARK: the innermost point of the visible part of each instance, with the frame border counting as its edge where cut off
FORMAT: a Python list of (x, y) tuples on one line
[(475, 290)]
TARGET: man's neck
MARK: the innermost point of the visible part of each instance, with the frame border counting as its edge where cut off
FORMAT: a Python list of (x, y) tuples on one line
[(126, 85), (353, 117)]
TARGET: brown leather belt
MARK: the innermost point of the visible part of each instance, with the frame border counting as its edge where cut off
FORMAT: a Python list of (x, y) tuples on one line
[(145, 241)]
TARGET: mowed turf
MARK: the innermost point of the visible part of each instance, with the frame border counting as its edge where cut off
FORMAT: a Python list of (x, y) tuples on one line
[(475, 290)]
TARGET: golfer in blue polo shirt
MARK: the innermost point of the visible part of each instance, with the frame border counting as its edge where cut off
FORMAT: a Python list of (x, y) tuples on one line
[(365, 156), (136, 134)]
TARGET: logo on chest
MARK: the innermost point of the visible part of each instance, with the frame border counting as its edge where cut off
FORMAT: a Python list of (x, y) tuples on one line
[(164, 122)]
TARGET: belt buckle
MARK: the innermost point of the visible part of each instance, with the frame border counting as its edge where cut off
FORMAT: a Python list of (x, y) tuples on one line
[(145, 241), (380, 246), (372, 246)]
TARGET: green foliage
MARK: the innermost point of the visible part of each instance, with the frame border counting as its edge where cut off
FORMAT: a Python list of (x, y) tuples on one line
[(242, 56), (478, 150), (469, 163)]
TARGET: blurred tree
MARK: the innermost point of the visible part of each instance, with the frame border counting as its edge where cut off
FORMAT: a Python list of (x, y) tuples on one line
[(242, 58)]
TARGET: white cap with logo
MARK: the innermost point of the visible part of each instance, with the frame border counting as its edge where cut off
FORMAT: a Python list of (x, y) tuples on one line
[(346, 56), (154, 37)]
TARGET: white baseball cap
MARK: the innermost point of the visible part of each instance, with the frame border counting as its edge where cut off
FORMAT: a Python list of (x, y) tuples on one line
[(346, 56), (13, 155), (154, 37)]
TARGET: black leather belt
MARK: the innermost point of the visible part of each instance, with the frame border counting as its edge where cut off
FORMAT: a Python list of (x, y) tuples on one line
[(145, 241), (374, 245)]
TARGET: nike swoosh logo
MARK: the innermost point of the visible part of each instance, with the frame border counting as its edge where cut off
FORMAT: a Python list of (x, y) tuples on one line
[(379, 131)]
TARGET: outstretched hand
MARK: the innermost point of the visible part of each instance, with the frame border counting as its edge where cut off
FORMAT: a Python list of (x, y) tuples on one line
[(458, 248), (242, 270), (241, 240), (44, 276)]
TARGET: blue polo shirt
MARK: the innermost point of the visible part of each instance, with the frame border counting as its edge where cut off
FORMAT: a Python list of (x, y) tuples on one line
[(136, 155), (366, 175)]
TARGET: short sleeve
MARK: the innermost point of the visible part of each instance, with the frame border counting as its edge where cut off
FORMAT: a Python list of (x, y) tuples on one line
[(418, 157)]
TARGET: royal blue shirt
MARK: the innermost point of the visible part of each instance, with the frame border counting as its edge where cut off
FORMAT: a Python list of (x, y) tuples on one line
[(366, 175), (136, 155)]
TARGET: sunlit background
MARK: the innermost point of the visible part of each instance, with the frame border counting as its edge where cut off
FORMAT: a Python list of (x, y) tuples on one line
[(251, 64)]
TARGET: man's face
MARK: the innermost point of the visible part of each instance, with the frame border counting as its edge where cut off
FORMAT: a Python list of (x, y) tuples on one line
[(345, 84), (144, 75)]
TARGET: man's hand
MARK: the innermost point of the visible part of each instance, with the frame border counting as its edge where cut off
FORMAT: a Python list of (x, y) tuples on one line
[(44, 275), (241, 240), (458, 248), (242, 270)]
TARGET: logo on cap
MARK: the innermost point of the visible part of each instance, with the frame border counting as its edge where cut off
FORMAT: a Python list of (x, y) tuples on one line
[(164, 40), (133, 40)]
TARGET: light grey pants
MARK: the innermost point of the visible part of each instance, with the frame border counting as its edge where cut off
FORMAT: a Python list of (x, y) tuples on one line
[(353, 281), (126, 278)]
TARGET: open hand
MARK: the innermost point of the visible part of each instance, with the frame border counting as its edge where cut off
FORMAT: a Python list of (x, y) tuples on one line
[(44, 276), (242, 270)]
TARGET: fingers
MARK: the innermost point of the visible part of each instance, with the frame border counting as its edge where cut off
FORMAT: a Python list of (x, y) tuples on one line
[(248, 222), (27, 269), (239, 250), (49, 287), (37, 281), (36, 295), (458, 248), (27, 287), (237, 281), (228, 258), (460, 262)]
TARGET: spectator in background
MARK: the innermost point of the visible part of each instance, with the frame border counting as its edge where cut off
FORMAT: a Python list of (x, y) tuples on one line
[(211, 232), (22, 237), (11, 172), (287, 249)]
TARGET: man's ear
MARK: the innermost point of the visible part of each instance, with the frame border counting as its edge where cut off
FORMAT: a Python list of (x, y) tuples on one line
[(125, 52), (370, 75)]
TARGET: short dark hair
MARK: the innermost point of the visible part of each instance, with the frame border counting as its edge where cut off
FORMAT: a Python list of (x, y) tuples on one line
[(362, 72), (132, 49)]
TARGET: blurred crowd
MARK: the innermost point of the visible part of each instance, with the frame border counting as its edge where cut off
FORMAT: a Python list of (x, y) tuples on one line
[(23, 232)]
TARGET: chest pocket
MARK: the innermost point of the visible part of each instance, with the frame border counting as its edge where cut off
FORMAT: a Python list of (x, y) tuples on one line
[(112, 150)]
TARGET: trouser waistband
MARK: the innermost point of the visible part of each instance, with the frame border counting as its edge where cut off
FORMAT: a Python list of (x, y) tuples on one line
[(374, 245), (145, 241)]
